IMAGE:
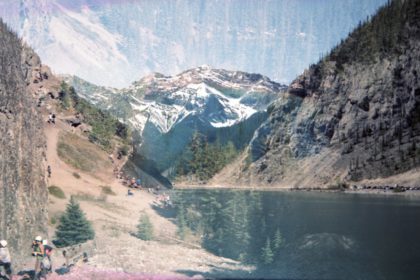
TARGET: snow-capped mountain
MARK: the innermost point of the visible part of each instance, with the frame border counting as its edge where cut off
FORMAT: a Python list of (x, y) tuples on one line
[(165, 111), (113, 43)]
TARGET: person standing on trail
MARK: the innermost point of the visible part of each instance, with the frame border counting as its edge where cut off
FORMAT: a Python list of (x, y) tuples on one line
[(46, 263), (38, 252), (5, 260), (49, 171)]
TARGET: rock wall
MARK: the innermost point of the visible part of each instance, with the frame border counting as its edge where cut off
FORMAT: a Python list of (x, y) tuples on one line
[(23, 192), (353, 116)]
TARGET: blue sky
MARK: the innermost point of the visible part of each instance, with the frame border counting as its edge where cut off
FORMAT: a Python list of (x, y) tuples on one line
[(111, 42)]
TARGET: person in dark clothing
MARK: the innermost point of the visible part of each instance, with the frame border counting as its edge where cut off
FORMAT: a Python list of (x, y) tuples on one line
[(46, 264), (49, 171)]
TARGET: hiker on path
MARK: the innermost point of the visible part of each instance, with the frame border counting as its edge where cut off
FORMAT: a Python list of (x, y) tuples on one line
[(38, 252), (49, 171), (5, 260)]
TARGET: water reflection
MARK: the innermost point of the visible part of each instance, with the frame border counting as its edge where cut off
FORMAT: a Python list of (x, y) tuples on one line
[(306, 235)]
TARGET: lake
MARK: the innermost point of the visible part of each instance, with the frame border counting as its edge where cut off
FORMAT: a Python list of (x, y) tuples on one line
[(309, 235)]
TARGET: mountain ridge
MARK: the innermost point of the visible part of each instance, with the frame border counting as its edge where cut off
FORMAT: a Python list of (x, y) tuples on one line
[(351, 117), (166, 110)]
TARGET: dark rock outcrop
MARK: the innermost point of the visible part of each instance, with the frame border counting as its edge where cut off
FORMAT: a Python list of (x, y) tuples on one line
[(355, 115), (23, 192)]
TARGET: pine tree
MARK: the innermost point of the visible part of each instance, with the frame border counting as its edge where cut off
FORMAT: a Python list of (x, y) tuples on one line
[(278, 240), (181, 223), (266, 253), (74, 228), (145, 228)]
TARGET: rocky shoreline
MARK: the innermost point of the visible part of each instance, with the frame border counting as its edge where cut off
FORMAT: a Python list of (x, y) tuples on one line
[(364, 189)]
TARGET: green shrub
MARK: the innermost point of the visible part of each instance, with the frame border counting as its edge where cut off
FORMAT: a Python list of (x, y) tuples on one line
[(145, 228), (53, 220), (57, 192)]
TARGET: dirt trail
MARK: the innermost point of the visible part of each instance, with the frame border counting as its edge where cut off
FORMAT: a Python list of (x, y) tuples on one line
[(115, 219)]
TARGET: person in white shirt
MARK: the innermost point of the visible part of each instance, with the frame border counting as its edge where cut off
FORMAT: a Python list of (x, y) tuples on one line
[(5, 260)]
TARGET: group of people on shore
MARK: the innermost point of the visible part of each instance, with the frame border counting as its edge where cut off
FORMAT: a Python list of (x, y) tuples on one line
[(163, 200), (41, 251), (126, 181)]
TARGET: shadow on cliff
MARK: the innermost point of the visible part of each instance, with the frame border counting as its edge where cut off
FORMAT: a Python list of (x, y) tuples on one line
[(146, 170)]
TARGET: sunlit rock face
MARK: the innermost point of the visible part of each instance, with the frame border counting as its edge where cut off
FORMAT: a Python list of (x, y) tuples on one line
[(114, 43), (353, 116)]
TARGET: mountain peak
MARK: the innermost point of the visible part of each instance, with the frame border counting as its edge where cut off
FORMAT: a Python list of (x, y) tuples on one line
[(217, 78)]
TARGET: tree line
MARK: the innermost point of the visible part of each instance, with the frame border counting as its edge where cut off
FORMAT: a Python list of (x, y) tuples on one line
[(202, 160), (104, 126)]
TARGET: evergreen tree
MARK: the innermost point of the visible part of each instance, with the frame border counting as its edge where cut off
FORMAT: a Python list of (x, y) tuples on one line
[(74, 228), (233, 235), (64, 95), (145, 228), (181, 223), (266, 253), (278, 240)]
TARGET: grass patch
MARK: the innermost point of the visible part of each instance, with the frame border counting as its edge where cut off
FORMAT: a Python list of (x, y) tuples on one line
[(81, 154), (100, 201), (57, 192), (76, 175), (90, 197), (107, 190)]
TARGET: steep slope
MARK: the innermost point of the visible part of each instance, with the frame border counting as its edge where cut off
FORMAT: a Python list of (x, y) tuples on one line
[(113, 43), (23, 193), (352, 116), (166, 111)]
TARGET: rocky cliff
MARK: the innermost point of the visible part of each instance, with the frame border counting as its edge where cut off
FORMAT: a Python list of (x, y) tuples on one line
[(23, 192), (353, 116)]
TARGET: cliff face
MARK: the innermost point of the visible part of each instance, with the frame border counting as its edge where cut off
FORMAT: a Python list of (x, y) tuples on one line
[(23, 192), (355, 115)]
